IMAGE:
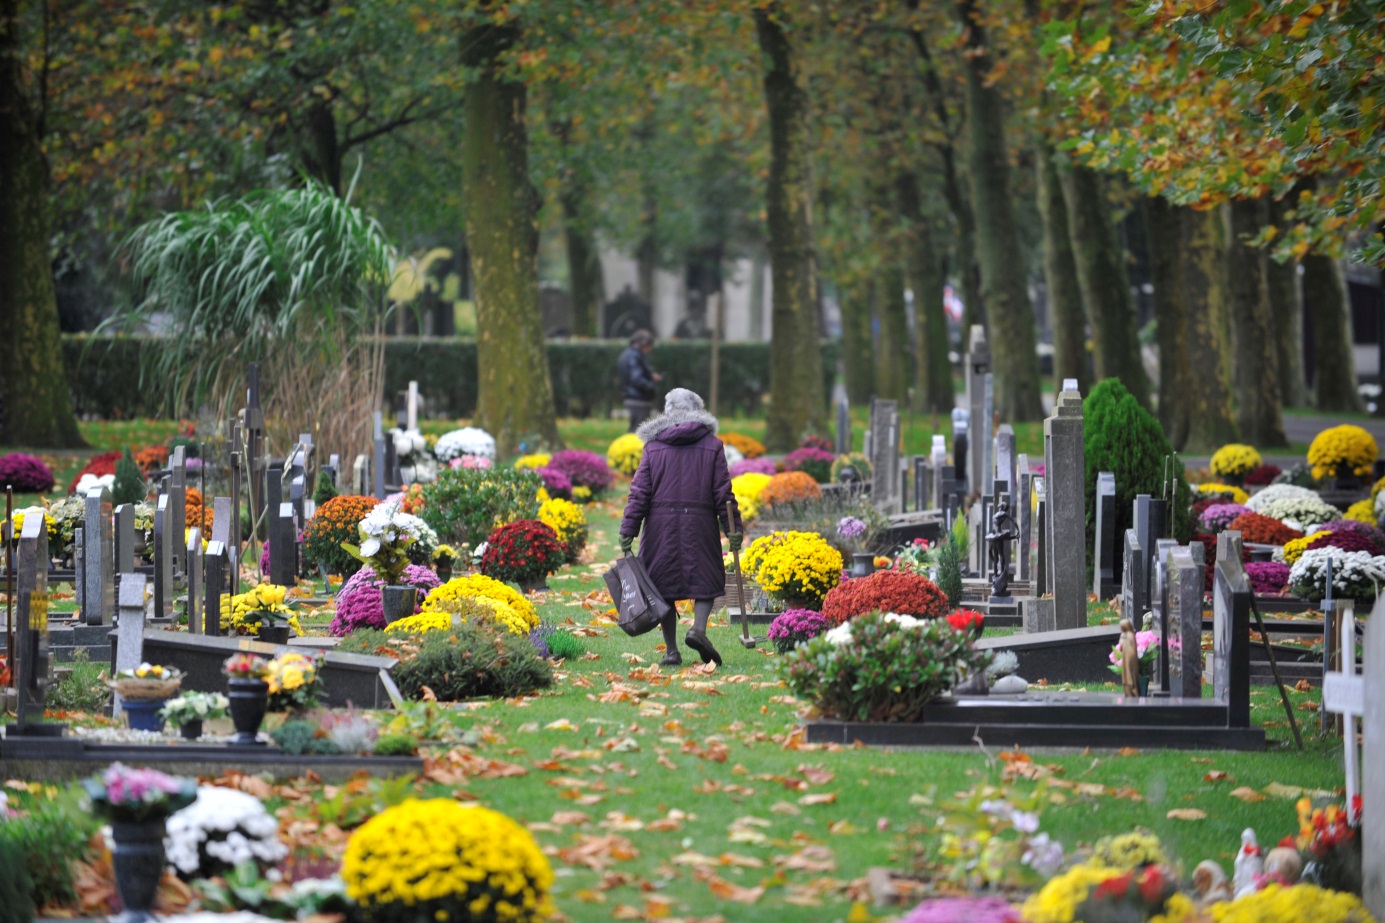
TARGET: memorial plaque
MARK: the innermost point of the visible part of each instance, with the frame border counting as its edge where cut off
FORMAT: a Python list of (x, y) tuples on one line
[(884, 425), (1231, 631), (163, 560), (1024, 515), (1104, 571), (978, 366), (215, 566), (177, 508), (283, 547), (1185, 585), (1064, 476)]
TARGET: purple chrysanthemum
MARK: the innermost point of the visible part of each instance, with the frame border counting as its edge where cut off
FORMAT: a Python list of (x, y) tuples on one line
[(964, 910), (586, 469), (361, 604), (1218, 516), (1360, 528), (1267, 578), (753, 466), (25, 473), (555, 482)]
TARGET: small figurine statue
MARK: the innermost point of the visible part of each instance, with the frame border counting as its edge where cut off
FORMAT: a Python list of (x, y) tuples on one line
[(1210, 884), (1249, 864), (1284, 865), (1003, 531), (1129, 650)]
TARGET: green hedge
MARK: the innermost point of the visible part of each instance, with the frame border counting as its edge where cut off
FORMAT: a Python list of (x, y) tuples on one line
[(104, 373)]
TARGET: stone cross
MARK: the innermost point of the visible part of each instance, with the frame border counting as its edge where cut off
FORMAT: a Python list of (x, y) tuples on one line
[(961, 457), (1064, 476), (98, 592), (978, 367), (283, 547), (129, 630), (30, 660), (1023, 512), (163, 560), (1344, 694), (1231, 630), (1373, 771), (1104, 571), (194, 559), (1184, 566), (215, 567), (177, 508)]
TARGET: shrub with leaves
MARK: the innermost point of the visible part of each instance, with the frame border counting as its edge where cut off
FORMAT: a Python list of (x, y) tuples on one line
[(888, 671), (50, 835), (16, 888), (129, 484), (336, 521), (324, 490), (523, 552), (464, 505), (473, 660), (887, 591)]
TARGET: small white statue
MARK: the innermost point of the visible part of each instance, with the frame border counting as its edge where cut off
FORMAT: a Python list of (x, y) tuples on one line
[(1250, 863), (1210, 884)]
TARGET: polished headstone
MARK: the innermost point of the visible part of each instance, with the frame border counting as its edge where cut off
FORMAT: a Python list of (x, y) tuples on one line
[(1064, 475), (98, 592), (1104, 570)]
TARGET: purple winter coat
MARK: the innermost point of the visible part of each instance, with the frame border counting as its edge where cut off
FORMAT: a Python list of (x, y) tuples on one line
[(679, 493)]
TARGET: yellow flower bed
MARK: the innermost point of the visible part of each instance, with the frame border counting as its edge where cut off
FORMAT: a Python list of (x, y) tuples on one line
[(800, 566), (581, 493), (1060, 897), (241, 614), (625, 453), (1237, 495), (1278, 904), (1234, 460), (1294, 549), (530, 462), (443, 861), (480, 585), (1342, 450), (567, 521), (747, 489), (421, 624), (1362, 511), (1129, 851)]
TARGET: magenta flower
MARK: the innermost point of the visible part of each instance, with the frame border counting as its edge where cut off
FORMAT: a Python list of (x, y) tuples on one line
[(964, 910), (361, 600), (556, 482), (754, 466), (1267, 578), (27, 474), (584, 469)]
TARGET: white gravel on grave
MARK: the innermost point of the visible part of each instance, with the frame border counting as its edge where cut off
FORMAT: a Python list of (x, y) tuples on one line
[(124, 735)]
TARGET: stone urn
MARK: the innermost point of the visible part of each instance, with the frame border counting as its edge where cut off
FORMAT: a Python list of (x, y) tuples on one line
[(398, 602), (137, 857), (862, 564), (249, 700)]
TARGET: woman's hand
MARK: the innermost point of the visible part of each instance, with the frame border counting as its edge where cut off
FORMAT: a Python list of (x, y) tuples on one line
[(627, 543)]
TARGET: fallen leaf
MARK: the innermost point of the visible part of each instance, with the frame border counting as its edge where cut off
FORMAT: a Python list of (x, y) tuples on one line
[(1186, 814), (818, 798), (1128, 751), (562, 724), (1303, 686), (1247, 794), (727, 891), (1216, 775), (598, 852)]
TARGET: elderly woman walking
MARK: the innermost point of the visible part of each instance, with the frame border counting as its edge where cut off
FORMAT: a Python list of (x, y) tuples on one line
[(679, 494)]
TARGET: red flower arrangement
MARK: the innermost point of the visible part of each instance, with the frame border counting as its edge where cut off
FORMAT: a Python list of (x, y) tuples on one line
[(1261, 475), (1259, 529), (523, 552), (1138, 894), (967, 620), (821, 443), (897, 591), (99, 466), (151, 458)]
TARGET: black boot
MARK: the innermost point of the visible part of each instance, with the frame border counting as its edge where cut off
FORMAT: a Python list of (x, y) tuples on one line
[(672, 659), (698, 641)]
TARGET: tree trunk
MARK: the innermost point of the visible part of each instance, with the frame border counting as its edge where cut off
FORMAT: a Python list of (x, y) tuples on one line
[(514, 400), (1066, 315), (1254, 357), (1105, 286), (647, 253), (583, 264), (35, 408), (321, 149), (933, 369), (1334, 372), (797, 405), (1286, 317), (892, 333), (1164, 224), (1208, 397), (1009, 314), (858, 353)]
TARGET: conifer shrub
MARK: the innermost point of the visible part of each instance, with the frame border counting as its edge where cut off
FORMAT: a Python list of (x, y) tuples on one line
[(324, 490), (1122, 437), (129, 484)]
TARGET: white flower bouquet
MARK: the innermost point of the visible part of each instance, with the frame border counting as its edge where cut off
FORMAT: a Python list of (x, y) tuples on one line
[(1301, 513), (466, 441), (1276, 492), (387, 534), (195, 706), (1355, 574), (222, 829)]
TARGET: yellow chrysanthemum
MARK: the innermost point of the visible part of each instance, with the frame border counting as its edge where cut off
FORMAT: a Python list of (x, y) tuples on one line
[(1234, 460), (1278, 904), (420, 624), (1342, 450), (1362, 511), (480, 585), (1237, 495), (243, 613), (446, 860), (625, 452), (746, 488), (800, 566), (1129, 851), (1057, 901), (530, 462), (1294, 549)]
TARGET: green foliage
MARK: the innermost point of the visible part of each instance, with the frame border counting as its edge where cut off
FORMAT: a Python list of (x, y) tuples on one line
[(950, 559), (49, 835), (472, 661), (246, 888), (885, 672), (564, 645), (299, 737), (1122, 437), (81, 690), (16, 888), (466, 504), (396, 745), (325, 489), (129, 484)]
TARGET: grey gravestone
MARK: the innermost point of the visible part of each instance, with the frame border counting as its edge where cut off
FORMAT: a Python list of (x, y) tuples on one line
[(976, 545), (1023, 511), (163, 561), (986, 437), (334, 470), (177, 507), (884, 427), (123, 551), (1104, 579), (1159, 603), (215, 571), (978, 366), (274, 486), (948, 497), (938, 458), (843, 428), (1064, 476), (221, 520), (283, 547), (98, 592), (1039, 543), (31, 618), (129, 629), (377, 460), (360, 476), (233, 546), (1005, 461), (961, 458), (1231, 631), (1150, 516), (79, 565), (1134, 602), (1185, 582), (194, 559), (1038, 614), (1373, 763)]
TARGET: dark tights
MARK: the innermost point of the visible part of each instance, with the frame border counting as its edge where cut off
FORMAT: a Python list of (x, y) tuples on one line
[(702, 609)]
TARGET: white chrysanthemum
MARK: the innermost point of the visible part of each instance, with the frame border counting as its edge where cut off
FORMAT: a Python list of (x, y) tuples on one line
[(90, 481), (230, 826), (1355, 574), (842, 633), (408, 441), (1275, 492), (1301, 513), (733, 455), (466, 441)]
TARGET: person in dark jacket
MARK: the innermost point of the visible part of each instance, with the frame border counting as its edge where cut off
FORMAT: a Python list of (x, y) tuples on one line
[(637, 380), (679, 495)]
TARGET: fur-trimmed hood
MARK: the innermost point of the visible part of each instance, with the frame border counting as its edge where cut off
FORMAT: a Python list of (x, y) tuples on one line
[(650, 429)]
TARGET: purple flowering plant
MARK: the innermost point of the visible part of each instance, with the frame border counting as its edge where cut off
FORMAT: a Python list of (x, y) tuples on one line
[(811, 460), (555, 482), (1218, 516), (1374, 533), (26, 473), (964, 910), (125, 795), (795, 626), (760, 465), (584, 469), (1268, 578), (361, 600), (851, 531)]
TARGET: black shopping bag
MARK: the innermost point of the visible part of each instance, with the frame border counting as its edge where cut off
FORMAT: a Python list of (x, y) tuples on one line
[(639, 607)]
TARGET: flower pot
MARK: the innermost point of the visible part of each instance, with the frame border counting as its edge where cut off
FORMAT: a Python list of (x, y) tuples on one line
[(143, 714), (191, 730), (862, 565), (1142, 681), (137, 857), (274, 634), (249, 698), (534, 586), (398, 602), (444, 572)]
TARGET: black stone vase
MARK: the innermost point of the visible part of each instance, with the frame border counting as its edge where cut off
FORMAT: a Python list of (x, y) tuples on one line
[(138, 860), (249, 699), (397, 601), (191, 730), (862, 564), (271, 633)]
